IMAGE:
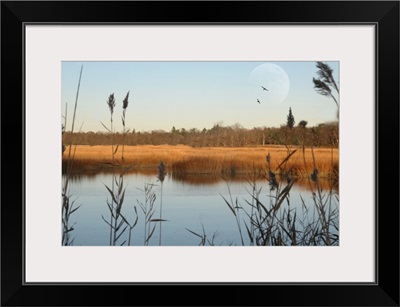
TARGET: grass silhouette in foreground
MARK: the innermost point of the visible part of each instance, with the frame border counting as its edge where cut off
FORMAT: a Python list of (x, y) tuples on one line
[(67, 204), (274, 221)]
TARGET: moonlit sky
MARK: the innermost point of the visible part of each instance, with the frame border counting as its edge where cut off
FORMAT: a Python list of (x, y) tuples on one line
[(194, 94)]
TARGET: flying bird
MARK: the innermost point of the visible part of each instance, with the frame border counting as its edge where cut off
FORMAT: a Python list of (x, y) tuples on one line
[(264, 88), (258, 101)]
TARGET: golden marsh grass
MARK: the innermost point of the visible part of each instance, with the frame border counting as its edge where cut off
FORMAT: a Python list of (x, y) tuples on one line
[(183, 159)]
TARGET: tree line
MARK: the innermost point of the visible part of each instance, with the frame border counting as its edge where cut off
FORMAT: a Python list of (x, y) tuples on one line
[(322, 135)]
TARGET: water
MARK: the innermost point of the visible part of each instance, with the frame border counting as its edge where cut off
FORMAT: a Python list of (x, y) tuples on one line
[(193, 204)]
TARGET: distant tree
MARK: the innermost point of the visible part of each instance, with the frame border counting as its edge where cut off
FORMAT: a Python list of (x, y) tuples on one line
[(303, 123), (325, 84), (290, 119), (237, 126)]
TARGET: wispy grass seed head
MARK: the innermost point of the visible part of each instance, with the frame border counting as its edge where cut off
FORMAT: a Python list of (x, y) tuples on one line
[(273, 183), (111, 103), (314, 175), (321, 87), (161, 172), (289, 177), (125, 101), (325, 72), (268, 158)]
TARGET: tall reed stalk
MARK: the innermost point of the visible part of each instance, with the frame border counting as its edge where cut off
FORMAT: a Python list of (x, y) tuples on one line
[(235, 209), (148, 211), (67, 205), (118, 223), (161, 176), (124, 131), (255, 194)]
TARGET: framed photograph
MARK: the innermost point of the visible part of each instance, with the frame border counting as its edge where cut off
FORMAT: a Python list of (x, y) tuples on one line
[(240, 146)]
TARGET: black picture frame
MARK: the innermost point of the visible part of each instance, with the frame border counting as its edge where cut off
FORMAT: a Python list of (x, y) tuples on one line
[(383, 14)]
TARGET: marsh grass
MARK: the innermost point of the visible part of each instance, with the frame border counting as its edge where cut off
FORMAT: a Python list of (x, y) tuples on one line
[(161, 176), (204, 238), (235, 209), (67, 204), (117, 223), (275, 221), (183, 160), (148, 209)]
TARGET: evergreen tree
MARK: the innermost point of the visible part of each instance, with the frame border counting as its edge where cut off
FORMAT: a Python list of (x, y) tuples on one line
[(290, 119)]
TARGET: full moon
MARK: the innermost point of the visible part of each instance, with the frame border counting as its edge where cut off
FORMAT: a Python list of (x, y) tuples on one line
[(274, 79)]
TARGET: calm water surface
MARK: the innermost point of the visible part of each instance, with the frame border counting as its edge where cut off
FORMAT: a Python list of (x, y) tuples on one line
[(185, 205)]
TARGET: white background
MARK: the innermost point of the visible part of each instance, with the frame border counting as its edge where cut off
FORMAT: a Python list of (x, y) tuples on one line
[(48, 261)]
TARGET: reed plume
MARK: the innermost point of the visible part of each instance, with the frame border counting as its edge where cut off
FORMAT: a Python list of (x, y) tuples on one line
[(161, 176)]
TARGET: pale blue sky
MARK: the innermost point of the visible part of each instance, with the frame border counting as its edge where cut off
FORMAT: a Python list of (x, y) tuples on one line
[(195, 94)]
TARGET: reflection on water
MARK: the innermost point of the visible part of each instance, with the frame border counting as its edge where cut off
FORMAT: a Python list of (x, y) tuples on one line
[(209, 179), (193, 205)]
